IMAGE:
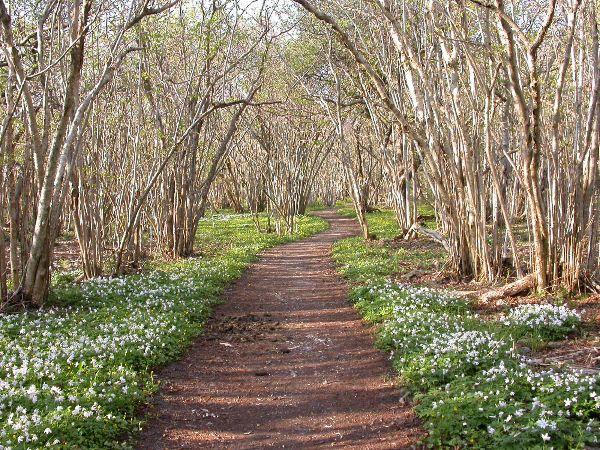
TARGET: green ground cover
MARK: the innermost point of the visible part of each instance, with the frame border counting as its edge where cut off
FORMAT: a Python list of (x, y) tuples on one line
[(472, 386), (73, 375)]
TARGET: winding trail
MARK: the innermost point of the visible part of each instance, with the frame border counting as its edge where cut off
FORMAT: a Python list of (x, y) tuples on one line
[(286, 362)]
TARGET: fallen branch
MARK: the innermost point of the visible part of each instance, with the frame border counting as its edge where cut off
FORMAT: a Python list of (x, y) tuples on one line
[(417, 228), (590, 284), (520, 286)]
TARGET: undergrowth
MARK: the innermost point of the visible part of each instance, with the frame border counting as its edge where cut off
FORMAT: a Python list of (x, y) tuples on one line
[(472, 386)]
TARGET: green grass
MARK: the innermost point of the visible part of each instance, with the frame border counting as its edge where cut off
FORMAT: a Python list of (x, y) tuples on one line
[(217, 235), (317, 206), (362, 261), (368, 261), (73, 376), (382, 221)]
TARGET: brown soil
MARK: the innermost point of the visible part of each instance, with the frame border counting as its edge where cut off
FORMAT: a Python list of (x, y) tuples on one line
[(66, 254), (286, 362)]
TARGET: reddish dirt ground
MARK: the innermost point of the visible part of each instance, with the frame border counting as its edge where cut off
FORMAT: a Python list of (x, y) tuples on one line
[(285, 362)]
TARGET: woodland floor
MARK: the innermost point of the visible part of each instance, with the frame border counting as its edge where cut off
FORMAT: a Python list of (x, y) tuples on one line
[(284, 362)]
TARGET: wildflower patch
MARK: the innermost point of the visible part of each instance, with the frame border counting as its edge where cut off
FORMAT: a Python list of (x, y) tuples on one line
[(472, 387), (73, 376)]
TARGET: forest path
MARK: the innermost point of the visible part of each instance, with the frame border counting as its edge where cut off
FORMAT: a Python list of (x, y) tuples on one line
[(285, 362)]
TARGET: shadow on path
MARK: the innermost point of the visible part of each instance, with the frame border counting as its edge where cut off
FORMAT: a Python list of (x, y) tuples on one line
[(285, 362)]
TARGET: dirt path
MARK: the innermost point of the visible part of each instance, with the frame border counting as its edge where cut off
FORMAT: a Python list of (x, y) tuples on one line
[(285, 362)]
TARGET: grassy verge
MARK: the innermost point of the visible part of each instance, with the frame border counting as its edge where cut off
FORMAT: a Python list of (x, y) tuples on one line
[(473, 383), (361, 261), (72, 376)]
